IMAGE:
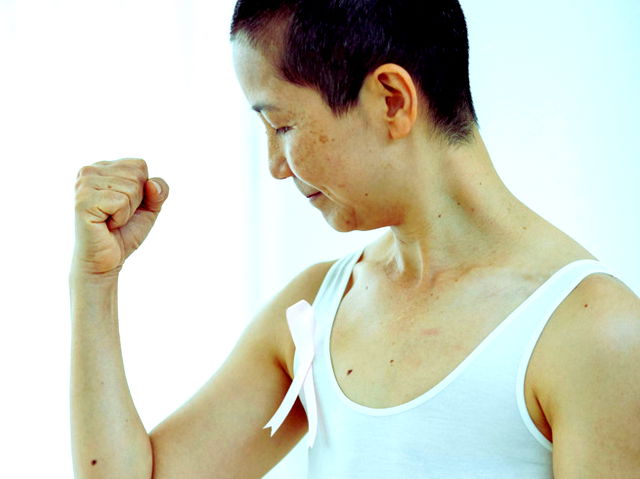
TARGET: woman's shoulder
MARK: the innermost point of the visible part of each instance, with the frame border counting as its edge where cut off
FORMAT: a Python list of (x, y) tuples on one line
[(304, 286)]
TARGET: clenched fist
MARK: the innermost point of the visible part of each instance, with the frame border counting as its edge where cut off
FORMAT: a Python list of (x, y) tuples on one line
[(116, 206)]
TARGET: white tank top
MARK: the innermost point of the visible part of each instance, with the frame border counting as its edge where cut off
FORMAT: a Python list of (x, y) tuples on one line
[(473, 424)]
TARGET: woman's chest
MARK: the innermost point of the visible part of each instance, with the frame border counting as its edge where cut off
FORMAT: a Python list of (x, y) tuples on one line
[(387, 352), (383, 356)]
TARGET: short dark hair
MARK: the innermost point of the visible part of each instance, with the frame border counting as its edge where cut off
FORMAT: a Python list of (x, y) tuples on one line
[(332, 45)]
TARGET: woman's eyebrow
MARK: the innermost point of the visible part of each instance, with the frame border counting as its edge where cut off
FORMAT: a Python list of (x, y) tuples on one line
[(260, 107)]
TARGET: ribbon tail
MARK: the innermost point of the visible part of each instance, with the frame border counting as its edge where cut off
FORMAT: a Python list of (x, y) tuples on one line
[(301, 325), (289, 399), (312, 409)]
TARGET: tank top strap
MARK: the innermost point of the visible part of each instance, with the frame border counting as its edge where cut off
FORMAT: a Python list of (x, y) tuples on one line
[(547, 299), (330, 293)]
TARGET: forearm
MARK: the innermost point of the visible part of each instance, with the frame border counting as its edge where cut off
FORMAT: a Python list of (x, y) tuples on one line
[(108, 438)]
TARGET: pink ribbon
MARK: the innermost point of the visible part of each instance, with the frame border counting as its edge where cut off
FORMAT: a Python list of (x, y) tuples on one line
[(301, 325)]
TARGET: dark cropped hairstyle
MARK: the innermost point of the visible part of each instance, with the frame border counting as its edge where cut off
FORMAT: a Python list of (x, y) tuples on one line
[(332, 45)]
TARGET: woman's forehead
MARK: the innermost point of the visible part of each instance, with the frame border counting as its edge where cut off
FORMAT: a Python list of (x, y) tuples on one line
[(256, 74), (264, 88)]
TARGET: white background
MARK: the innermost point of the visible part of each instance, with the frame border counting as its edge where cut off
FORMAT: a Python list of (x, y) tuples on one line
[(555, 86)]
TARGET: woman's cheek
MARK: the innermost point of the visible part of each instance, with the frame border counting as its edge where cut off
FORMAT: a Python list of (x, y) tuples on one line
[(311, 158), (301, 160)]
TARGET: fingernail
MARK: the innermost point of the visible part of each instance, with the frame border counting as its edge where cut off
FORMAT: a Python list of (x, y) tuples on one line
[(157, 186)]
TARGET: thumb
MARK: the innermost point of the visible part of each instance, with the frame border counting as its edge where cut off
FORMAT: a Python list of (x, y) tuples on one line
[(137, 228), (156, 191)]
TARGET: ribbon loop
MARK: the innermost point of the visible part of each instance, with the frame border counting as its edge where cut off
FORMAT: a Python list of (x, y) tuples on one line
[(301, 324)]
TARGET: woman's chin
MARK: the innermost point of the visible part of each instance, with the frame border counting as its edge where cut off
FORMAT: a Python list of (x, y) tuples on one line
[(342, 223)]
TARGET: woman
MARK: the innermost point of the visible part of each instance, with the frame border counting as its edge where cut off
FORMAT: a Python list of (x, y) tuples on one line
[(462, 343)]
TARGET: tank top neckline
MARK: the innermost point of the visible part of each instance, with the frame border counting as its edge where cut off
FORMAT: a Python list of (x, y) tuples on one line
[(452, 375)]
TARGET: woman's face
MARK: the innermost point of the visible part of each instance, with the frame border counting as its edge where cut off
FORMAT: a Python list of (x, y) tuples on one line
[(335, 162)]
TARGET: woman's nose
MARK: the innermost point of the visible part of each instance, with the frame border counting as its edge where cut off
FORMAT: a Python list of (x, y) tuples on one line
[(278, 165)]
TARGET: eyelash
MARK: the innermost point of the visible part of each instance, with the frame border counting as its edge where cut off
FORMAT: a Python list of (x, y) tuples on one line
[(283, 130)]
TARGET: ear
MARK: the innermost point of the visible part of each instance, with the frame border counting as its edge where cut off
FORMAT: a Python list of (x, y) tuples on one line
[(394, 87)]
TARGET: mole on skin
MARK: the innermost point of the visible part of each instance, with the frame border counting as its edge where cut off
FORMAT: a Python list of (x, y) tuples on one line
[(349, 371), (93, 463)]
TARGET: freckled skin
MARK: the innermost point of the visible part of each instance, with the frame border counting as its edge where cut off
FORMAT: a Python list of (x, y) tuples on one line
[(320, 151), (431, 331), (376, 167)]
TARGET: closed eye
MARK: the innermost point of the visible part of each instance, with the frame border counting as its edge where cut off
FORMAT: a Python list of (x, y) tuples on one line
[(283, 130)]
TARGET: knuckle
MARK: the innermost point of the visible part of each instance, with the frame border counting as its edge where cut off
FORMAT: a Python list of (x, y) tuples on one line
[(82, 182), (142, 165), (86, 170), (130, 159), (131, 183), (132, 187), (138, 164), (135, 162)]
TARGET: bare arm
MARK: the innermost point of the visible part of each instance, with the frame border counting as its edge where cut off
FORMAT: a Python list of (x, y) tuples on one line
[(219, 431), (108, 438), (116, 207), (592, 395)]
